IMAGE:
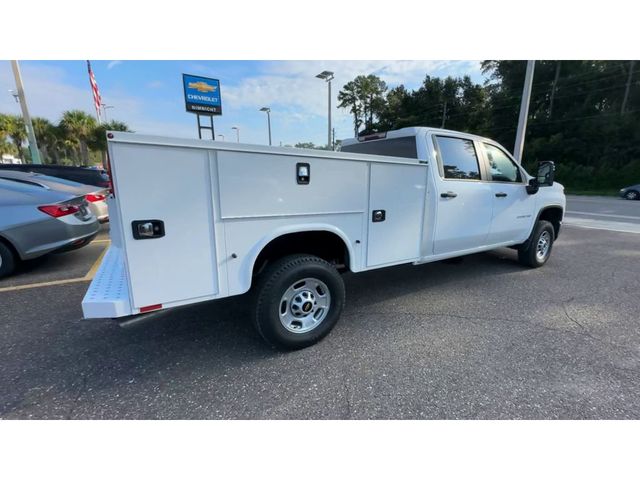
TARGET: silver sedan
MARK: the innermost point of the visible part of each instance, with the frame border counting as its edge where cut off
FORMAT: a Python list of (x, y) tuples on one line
[(96, 196), (35, 221)]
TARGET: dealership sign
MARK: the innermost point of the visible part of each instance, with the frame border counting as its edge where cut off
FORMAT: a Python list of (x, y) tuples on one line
[(202, 95)]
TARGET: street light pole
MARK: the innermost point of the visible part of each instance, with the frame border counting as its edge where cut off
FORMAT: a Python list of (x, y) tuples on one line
[(267, 110), (33, 144), (328, 76), (104, 110), (524, 111), (237, 129)]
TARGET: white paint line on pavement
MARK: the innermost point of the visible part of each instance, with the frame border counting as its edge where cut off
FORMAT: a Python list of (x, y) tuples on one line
[(602, 225), (88, 277), (604, 215)]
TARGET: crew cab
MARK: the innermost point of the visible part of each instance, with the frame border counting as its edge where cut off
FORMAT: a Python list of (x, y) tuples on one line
[(219, 219)]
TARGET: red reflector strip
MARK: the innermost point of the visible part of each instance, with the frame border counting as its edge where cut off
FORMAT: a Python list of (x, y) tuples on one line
[(149, 308)]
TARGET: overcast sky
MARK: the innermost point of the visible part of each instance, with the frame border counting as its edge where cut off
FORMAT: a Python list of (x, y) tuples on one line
[(148, 95)]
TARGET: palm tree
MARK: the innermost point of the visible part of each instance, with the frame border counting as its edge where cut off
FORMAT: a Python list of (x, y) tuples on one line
[(46, 135), (4, 132), (99, 138), (4, 127), (16, 131), (80, 126)]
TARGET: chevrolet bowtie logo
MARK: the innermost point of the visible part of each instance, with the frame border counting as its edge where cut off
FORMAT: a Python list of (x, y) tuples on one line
[(202, 87)]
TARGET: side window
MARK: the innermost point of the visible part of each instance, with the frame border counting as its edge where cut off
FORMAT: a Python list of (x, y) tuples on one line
[(501, 167), (393, 147), (459, 159)]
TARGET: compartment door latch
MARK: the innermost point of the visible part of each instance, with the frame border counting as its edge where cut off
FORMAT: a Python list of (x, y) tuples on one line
[(147, 229), (378, 215)]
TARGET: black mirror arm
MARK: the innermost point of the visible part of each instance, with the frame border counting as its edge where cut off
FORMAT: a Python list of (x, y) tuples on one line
[(533, 186)]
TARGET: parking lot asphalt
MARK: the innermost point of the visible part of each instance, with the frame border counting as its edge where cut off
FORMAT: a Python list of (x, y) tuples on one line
[(484, 338), (58, 268)]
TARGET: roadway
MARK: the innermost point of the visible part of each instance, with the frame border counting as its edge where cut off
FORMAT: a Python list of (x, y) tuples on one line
[(607, 213)]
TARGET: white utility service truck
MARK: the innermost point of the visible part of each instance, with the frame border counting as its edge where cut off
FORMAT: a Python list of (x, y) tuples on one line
[(195, 220)]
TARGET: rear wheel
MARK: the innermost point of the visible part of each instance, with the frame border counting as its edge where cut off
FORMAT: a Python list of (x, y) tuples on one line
[(299, 300), (537, 250), (7, 260)]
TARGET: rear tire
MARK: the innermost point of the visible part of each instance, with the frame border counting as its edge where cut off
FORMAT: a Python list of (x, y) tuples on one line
[(7, 260), (299, 299), (535, 252)]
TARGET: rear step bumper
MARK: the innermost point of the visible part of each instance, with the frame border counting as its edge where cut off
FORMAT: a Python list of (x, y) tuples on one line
[(108, 294)]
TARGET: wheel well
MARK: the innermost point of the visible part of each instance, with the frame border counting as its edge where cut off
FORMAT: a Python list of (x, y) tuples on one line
[(554, 216), (326, 245), (10, 246)]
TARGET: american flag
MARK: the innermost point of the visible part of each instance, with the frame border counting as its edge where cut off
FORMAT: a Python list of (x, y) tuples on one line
[(97, 101)]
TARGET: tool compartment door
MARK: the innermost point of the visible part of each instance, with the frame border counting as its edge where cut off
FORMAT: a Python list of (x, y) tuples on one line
[(171, 185), (396, 206)]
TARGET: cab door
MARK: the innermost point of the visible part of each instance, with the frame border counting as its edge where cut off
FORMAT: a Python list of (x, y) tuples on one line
[(512, 205), (464, 199)]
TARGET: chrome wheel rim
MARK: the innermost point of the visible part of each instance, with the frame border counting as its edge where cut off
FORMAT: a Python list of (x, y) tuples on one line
[(304, 305), (544, 243), (631, 195)]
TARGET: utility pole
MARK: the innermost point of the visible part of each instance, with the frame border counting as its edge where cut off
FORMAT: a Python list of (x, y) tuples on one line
[(444, 114), (553, 87), (524, 111), (33, 144), (327, 76), (626, 91)]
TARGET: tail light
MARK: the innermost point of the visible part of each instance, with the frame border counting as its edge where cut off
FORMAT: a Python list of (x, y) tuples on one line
[(95, 197), (58, 210)]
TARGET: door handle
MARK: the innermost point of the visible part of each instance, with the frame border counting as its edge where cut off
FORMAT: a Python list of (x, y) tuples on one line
[(448, 195), (501, 194)]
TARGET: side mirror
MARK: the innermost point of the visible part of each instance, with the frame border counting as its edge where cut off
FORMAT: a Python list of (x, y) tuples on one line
[(546, 174), (533, 187)]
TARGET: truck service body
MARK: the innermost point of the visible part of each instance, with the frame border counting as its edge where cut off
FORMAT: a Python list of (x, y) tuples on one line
[(195, 220)]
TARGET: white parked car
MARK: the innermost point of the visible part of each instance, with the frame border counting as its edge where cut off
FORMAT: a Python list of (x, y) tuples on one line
[(222, 218)]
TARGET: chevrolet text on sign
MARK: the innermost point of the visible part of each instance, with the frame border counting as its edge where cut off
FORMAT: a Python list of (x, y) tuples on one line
[(202, 95)]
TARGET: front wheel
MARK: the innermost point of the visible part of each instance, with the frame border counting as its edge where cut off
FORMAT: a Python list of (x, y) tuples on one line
[(536, 252), (632, 195), (299, 300)]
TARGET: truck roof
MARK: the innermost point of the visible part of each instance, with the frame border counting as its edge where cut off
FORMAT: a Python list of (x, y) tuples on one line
[(407, 132)]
